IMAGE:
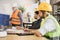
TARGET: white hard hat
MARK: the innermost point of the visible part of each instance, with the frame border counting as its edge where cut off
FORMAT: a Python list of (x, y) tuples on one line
[(14, 5)]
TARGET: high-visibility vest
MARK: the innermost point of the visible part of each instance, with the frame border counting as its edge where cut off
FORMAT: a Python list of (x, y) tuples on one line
[(52, 33), (15, 18)]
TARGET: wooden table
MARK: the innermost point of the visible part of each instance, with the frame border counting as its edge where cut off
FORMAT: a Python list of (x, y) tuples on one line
[(16, 37)]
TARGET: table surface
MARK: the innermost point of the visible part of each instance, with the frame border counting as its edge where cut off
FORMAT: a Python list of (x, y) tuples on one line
[(16, 37), (26, 37)]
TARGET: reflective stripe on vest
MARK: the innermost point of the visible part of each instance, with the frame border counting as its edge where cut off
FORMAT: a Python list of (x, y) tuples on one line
[(15, 18), (53, 33)]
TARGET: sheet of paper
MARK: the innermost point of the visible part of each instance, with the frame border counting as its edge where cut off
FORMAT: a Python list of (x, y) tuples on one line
[(14, 31)]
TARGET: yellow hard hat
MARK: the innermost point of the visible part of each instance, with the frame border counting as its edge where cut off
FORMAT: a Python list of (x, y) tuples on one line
[(45, 6)]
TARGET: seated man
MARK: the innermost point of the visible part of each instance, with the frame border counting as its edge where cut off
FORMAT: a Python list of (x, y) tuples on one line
[(50, 27), (36, 24)]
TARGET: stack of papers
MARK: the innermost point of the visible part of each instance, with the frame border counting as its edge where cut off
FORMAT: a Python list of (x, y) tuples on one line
[(14, 31)]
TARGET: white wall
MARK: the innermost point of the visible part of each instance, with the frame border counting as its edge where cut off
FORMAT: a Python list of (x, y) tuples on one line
[(5, 7)]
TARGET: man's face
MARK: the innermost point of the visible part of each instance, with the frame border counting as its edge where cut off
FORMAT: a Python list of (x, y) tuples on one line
[(40, 14), (36, 16), (13, 8)]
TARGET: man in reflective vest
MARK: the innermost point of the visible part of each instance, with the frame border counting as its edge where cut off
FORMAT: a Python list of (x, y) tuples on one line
[(16, 19), (49, 25)]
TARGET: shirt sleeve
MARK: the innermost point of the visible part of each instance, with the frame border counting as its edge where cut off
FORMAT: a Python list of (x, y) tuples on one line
[(21, 18), (47, 27)]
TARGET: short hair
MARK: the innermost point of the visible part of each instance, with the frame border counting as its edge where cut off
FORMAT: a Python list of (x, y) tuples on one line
[(37, 12)]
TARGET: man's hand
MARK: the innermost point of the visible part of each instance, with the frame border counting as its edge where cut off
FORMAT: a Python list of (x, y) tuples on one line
[(37, 33), (26, 30), (18, 28)]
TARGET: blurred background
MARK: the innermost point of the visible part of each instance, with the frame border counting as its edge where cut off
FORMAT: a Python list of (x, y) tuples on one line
[(28, 6)]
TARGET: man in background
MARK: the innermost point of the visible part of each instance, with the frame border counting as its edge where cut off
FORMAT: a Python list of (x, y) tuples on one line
[(16, 18)]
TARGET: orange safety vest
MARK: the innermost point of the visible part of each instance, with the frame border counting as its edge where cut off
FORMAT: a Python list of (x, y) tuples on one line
[(15, 18)]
